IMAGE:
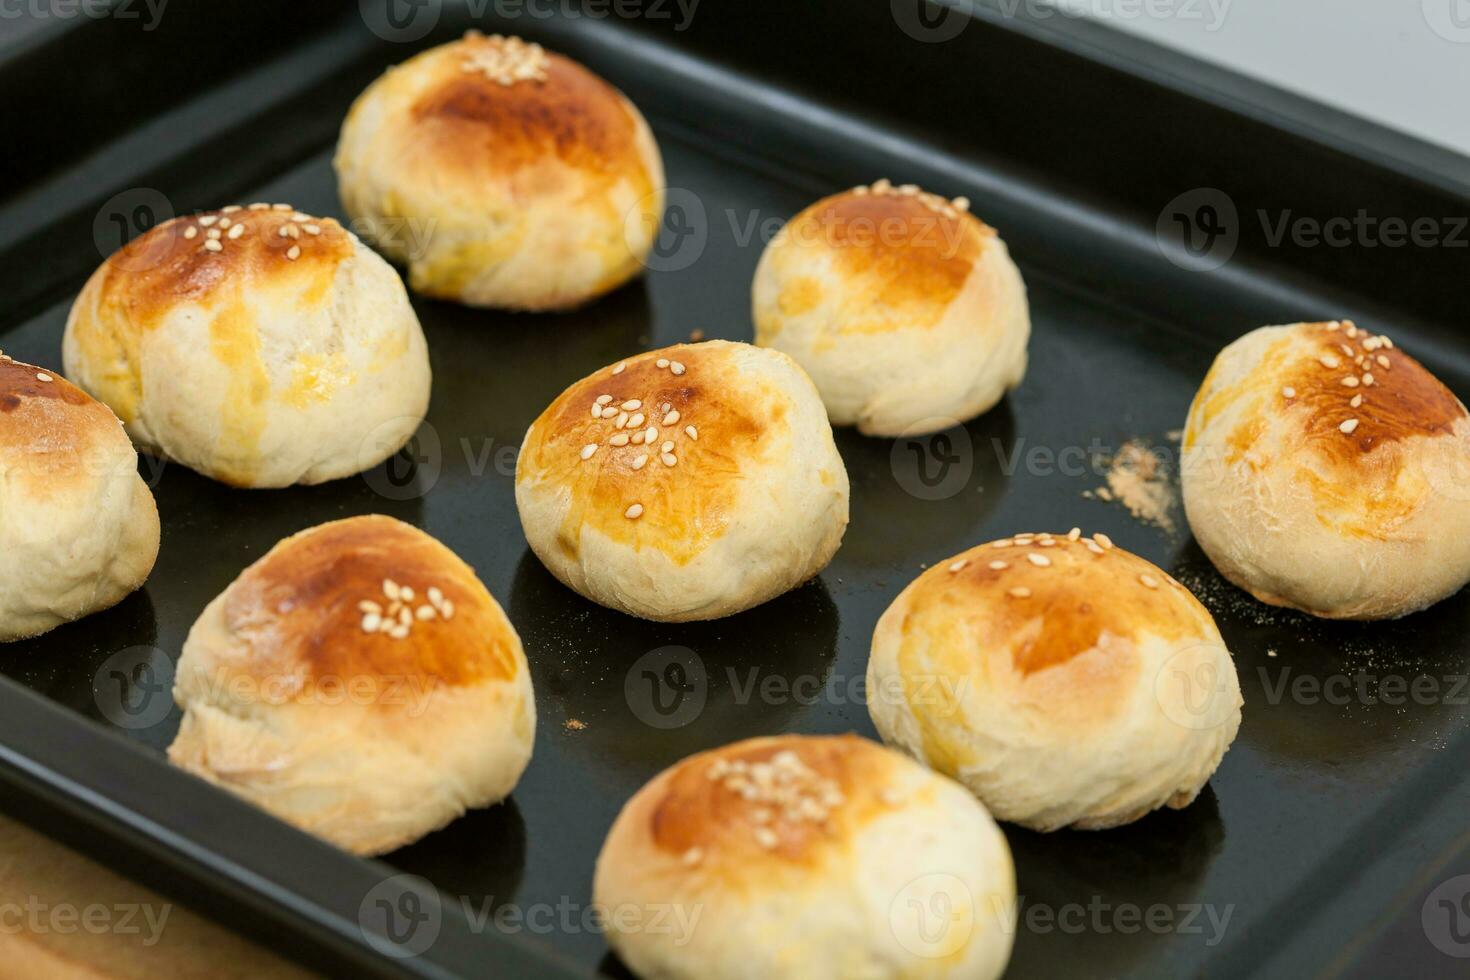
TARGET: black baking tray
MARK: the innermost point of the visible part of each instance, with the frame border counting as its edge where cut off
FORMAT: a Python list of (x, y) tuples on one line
[(1330, 821)]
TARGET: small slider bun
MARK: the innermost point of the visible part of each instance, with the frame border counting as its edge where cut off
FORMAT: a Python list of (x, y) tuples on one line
[(502, 175), (358, 682), (1063, 680), (1328, 471), (260, 346), (806, 858), (78, 526), (686, 483), (905, 309)]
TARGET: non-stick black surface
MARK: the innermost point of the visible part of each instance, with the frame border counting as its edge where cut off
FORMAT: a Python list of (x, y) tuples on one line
[(1333, 804)]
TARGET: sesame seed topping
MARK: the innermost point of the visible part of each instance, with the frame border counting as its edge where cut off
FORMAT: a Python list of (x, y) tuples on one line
[(1349, 426), (1148, 580), (1382, 361), (1094, 547), (504, 60), (1103, 539), (1288, 391), (236, 232), (213, 233), (1074, 534), (619, 367), (191, 233), (669, 459), (998, 566), (1368, 379), (621, 439), (282, 207), (1046, 543), (208, 220), (313, 229), (1002, 543), (671, 419), (213, 246), (1041, 561), (293, 253), (765, 837), (622, 420), (390, 589), (631, 405), (1350, 381), (634, 512), (650, 435), (955, 566), (636, 421), (691, 432), (639, 461), (692, 856), (603, 399), (676, 368), (42, 376), (1329, 361), (588, 450), (435, 595), (667, 447), (230, 209), (1019, 592), (662, 362), (1357, 401)]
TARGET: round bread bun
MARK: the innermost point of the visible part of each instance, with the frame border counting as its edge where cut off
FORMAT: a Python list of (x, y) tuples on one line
[(1327, 471), (707, 483), (502, 175), (905, 309), (1065, 681), (307, 689), (78, 526), (259, 346), (806, 858)]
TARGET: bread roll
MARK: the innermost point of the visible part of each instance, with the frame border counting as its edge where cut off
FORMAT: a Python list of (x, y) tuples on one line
[(905, 309), (502, 175), (806, 858), (1327, 471), (358, 682), (78, 526), (686, 483), (1063, 680), (260, 346)]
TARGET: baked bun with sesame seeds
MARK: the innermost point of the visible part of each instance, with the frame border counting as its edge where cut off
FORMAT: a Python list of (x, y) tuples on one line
[(78, 526), (687, 483), (359, 682), (1065, 681), (502, 175), (259, 346), (905, 309), (810, 858), (1327, 471)]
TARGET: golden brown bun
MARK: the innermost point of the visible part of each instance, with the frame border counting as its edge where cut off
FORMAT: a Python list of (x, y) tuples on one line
[(1044, 672), (535, 192), (298, 700), (78, 527), (1328, 471), (751, 504), (806, 858), (905, 309), (288, 354)]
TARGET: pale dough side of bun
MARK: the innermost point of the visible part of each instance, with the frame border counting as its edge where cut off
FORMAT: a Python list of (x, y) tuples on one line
[(294, 700), (810, 859), (538, 191), (1326, 470), (725, 458), (78, 526), (907, 312), (1065, 681), (288, 355)]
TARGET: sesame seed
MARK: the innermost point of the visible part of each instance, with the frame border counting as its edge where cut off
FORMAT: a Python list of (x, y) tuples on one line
[(260, 207), (425, 613), (1094, 547), (1382, 361), (294, 253), (313, 229), (213, 233), (603, 399), (636, 421), (998, 566), (588, 450), (42, 376), (619, 368), (639, 461), (435, 596), (236, 232), (622, 420), (390, 589), (1348, 426), (676, 368), (447, 609), (650, 435), (765, 838), (1019, 592), (631, 405), (671, 419), (1357, 401), (398, 632), (1074, 534), (1148, 580), (208, 220), (1368, 379), (230, 209), (662, 362), (191, 233), (1041, 561), (621, 439), (691, 432), (669, 459), (667, 447), (224, 222), (1350, 381), (371, 622), (368, 606), (1002, 543), (1328, 361), (955, 566), (1288, 392), (596, 411), (1047, 543), (282, 207), (634, 512), (692, 856), (1103, 539), (213, 246)]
